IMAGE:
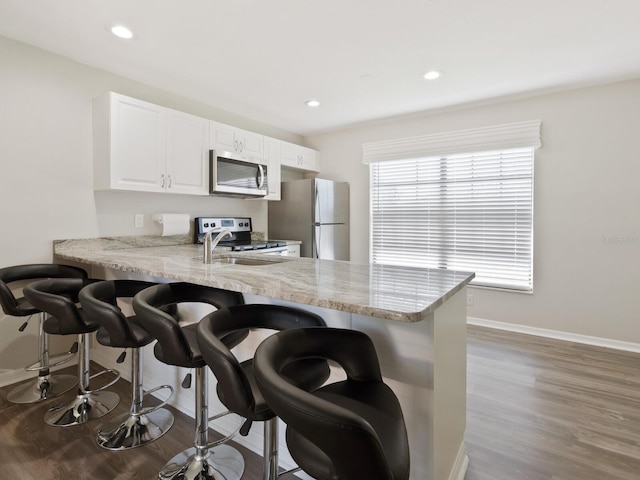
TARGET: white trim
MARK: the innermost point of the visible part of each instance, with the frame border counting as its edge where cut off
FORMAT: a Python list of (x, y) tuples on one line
[(556, 334), (460, 465), (9, 377), (496, 137)]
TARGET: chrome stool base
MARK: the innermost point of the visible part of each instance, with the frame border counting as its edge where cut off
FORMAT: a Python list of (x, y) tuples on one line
[(219, 463), (43, 388), (83, 408), (130, 431)]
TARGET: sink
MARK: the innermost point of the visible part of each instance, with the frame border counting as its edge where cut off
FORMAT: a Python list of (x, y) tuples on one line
[(248, 261), (242, 261)]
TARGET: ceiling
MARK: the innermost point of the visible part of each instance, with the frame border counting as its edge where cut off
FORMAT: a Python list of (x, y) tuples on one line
[(363, 59)]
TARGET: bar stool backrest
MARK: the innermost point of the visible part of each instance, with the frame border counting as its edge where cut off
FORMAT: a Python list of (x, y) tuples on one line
[(100, 301), (173, 346), (18, 307)]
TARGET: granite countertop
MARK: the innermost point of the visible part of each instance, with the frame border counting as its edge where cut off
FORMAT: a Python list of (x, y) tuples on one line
[(403, 294)]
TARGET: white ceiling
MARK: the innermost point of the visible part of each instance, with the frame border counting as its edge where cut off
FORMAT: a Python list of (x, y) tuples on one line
[(363, 59)]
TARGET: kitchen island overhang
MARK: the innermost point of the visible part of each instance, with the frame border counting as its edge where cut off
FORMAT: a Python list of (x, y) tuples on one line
[(416, 317)]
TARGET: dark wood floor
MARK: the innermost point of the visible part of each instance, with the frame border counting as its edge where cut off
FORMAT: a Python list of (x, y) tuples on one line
[(538, 409), (33, 450), (541, 409)]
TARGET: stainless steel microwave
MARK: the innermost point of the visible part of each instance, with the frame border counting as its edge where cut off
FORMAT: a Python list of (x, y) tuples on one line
[(236, 175)]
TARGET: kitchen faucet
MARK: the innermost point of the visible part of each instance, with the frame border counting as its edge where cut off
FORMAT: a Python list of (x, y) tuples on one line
[(209, 244)]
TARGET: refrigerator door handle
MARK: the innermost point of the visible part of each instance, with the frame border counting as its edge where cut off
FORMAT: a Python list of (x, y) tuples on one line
[(316, 241), (317, 206)]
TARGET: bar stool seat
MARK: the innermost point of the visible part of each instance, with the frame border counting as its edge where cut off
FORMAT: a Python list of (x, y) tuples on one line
[(237, 387), (177, 346), (347, 430), (59, 298), (141, 425), (46, 385)]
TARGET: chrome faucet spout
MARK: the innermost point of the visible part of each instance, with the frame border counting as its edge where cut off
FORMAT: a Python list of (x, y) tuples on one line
[(210, 244)]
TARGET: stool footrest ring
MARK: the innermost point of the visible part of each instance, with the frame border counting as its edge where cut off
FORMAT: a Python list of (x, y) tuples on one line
[(112, 382), (36, 367), (148, 410), (229, 437)]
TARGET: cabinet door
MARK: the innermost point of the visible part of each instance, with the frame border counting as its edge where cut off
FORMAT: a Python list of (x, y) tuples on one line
[(299, 158), (289, 155), (222, 137), (293, 250), (138, 150), (225, 138), (251, 144), (187, 154), (309, 159), (271, 148)]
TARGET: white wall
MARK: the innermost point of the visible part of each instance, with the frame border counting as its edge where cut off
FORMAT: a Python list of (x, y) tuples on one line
[(46, 182), (587, 198)]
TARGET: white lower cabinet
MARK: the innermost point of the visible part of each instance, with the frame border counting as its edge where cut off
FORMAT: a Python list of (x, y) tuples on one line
[(293, 250), (145, 147)]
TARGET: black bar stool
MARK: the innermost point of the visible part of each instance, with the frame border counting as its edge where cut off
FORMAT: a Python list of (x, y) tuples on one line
[(352, 429), (177, 346), (237, 387), (141, 425), (46, 385), (59, 298)]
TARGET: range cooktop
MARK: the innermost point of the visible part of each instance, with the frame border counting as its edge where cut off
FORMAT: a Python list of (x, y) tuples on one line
[(240, 228)]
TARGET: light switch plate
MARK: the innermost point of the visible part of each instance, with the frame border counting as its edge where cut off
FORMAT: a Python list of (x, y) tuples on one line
[(139, 220)]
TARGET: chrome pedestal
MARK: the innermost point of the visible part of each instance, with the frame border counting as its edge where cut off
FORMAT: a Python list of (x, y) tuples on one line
[(141, 425), (83, 408), (130, 431), (46, 385), (222, 463), (88, 404), (204, 461)]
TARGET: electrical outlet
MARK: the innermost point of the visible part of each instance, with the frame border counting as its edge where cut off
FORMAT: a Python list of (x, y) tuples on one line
[(139, 220), (470, 300)]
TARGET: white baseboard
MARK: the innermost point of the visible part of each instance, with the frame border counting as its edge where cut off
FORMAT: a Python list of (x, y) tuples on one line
[(556, 334), (460, 465), (9, 377)]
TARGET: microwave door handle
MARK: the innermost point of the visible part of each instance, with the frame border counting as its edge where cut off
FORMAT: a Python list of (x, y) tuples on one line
[(261, 181)]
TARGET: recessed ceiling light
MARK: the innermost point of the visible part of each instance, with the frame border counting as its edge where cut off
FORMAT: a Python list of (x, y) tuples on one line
[(432, 75), (312, 103), (122, 32)]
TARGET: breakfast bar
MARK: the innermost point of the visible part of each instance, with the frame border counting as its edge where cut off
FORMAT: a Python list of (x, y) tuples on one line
[(415, 316)]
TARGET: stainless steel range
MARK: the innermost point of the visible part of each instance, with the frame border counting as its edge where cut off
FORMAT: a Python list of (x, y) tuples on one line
[(240, 239)]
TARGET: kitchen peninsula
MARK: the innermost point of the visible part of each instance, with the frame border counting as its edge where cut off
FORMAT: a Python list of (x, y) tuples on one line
[(416, 318)]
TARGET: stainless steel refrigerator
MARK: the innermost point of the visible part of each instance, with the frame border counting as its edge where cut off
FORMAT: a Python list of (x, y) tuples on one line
[(316, 212)]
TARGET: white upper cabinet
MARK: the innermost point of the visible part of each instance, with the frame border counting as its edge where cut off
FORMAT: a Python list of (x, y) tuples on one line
[(187, 153), (225, 138), (145, 147), (299, 157), (272, 157)]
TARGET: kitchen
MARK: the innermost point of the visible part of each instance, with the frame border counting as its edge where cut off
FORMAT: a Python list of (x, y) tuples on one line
[(584, 167)]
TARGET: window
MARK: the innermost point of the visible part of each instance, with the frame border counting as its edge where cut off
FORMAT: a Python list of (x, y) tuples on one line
[(469, 211)]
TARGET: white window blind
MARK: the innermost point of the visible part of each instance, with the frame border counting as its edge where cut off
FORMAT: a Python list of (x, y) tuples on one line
[(469, 212)]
